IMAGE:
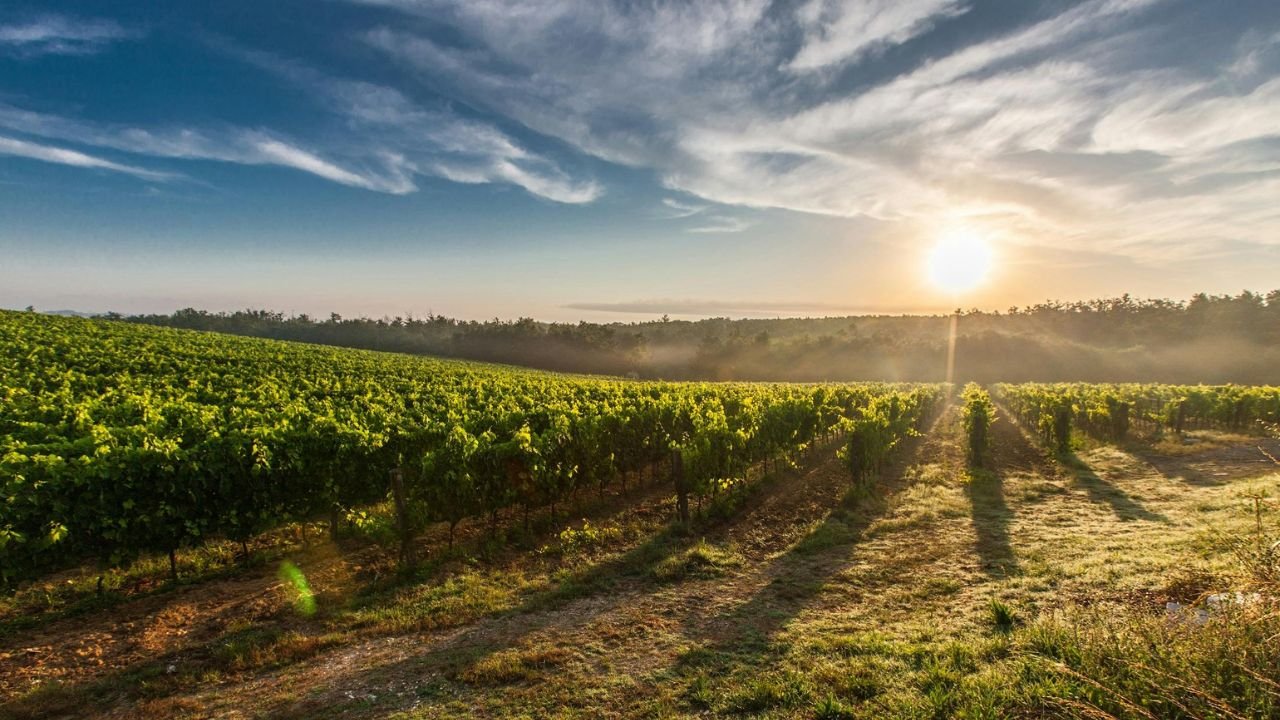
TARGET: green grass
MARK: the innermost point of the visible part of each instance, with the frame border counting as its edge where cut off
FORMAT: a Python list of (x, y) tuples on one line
[(1018, 591), (703, 560)]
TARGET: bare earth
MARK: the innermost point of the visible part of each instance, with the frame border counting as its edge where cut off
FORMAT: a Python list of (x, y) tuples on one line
[(806, 572)]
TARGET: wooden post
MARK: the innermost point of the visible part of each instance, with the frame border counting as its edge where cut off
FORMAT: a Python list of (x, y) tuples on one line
[(402, 519), (682, 486)]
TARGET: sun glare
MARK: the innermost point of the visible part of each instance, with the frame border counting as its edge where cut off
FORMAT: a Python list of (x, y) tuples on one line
[(959, 262)]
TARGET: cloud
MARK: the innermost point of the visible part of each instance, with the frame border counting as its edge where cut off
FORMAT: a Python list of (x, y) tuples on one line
[(64, 156), (840, 31), (378, 139), (383, 121), (1076, 126), (60, 35), (384, 173), (722, 224), (679, 209), (279, 153), (709, 223)]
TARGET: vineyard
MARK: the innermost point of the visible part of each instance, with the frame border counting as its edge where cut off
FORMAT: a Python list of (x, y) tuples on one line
[(506, 542), (118, 439), (1107, 412)]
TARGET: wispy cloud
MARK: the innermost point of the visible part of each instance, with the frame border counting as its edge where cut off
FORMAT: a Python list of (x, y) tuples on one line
[(61, 35), (276, 152), (380, 139), (840, 31), (383, 121), (722, 224), (385, 173), (708, 222), (1071, 127), (677, 209), (74, 158)]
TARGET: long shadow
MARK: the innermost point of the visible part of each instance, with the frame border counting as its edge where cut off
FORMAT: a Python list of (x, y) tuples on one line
[(1010, 452), (991, 517), (801, 574), (123, 684), (1176, 468), (1100, 491), (824, 551), (475, 643), (1230, 462), (631, 572)]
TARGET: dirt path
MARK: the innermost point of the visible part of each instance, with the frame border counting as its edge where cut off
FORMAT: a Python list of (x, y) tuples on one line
[(635, 630), (799, 574)]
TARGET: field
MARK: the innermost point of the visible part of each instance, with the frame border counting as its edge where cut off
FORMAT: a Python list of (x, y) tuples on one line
[(203, 526)]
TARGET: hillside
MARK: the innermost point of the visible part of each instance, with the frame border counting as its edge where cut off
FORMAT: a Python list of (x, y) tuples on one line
[(1208, 339), (939, 592), (200, 525)]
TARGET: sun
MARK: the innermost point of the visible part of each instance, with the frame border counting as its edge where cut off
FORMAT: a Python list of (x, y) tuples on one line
[(959, 262)]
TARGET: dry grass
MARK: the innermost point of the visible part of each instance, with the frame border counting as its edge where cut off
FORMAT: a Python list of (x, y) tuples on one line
[(938, 595)]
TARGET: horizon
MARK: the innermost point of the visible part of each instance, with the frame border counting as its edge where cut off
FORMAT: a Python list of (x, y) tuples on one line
[(478, 160), (628, 313)]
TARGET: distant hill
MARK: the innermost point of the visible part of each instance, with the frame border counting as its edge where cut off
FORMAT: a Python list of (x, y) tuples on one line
[(1210, 339)]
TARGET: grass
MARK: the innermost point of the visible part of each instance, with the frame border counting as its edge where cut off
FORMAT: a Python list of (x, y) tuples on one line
[(702, 560), (515, 665), (1023, 589), (1003, 617), (1126, 663)]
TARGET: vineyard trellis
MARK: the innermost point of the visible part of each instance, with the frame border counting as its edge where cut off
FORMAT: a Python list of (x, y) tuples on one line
[(120, 439), (1108, 411)]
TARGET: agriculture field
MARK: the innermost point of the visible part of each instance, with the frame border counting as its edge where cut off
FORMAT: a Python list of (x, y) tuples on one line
[(199, 525)]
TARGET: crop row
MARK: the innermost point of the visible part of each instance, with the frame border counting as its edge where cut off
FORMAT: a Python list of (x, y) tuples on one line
[(118, 439), (1108, 411)]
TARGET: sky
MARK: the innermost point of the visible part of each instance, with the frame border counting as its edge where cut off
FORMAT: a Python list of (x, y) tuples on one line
[(600, 160)]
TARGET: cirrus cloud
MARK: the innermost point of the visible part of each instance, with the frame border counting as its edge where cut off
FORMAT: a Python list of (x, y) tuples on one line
[(1076, 127), (62, 35)]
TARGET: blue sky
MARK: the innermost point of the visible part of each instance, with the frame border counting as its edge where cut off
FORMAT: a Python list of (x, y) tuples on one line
[(588, 159)]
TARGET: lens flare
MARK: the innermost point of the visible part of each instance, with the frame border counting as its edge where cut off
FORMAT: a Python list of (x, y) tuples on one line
[(304, 600)]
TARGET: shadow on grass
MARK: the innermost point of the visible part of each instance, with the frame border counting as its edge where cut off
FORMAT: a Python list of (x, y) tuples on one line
[(991, 517), (1013, 440), (1214, 465), (153, 678), (1176, 468), (636, 571), (801, 574), (1100, 491)]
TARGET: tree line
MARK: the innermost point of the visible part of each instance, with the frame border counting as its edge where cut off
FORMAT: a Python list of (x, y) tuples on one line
[(1208, 338)]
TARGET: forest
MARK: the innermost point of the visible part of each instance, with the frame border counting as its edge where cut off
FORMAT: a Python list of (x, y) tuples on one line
[(1208, 338)]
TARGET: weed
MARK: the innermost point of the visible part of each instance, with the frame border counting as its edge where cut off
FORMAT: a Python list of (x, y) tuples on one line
[(1001, 615), (829, 708)]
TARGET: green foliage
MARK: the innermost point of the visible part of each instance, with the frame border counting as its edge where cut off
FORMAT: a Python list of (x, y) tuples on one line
[(588, 537), (829, 708), (1003, 618), (1108, 411), (1135, 664), (874, 430), (118, 439), (978, 413)]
